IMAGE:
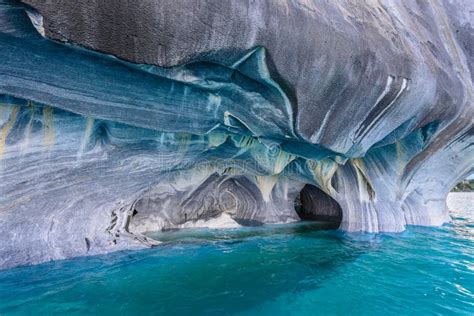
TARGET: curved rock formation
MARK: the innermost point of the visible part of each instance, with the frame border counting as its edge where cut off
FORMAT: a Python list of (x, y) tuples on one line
[(318, 206), (118, 117)]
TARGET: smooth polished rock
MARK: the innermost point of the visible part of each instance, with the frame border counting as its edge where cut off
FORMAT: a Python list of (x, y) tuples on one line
[(119, 118)]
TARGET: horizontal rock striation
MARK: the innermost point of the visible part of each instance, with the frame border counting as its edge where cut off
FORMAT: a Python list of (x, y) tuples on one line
[(118, 118)]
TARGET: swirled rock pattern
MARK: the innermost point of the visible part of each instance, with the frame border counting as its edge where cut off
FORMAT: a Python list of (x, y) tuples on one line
[(122, 117)]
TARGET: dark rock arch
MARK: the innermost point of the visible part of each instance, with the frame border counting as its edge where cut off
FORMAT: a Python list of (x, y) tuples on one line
[(316, 205)]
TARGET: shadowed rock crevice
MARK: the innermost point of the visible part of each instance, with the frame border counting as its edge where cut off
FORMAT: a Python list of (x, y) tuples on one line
[(315, 205), (216, 201)]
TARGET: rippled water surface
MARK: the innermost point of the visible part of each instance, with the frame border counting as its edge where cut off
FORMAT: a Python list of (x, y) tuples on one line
[(274, 270)]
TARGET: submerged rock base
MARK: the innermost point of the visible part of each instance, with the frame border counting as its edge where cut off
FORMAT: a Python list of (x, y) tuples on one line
[(372, 129)]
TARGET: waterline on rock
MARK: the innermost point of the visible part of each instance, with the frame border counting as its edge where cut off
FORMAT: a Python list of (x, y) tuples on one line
[(265, 270)]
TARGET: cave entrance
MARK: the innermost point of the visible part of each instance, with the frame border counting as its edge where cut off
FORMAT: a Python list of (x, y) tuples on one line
[(312, 204)]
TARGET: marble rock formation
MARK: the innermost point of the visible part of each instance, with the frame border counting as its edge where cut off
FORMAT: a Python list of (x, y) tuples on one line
[(121, 117)]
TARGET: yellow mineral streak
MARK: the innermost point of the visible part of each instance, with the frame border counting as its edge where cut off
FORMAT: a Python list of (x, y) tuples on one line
[(245, 141), (282, 160), (7, 127), (216, 139), (365, 187), (226, 118), (340, 160), (26, 142), (87, 135), (323, 171), (232, 171), (48, 127), (266, 184)]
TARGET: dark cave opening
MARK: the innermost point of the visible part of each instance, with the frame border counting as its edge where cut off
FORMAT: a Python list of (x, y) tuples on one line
[(313, 204)]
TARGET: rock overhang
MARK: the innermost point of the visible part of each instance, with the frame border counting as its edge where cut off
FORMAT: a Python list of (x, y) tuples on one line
[(376, 118)]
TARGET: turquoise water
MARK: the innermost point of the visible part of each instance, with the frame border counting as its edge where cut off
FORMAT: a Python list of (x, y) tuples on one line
[(273, 270)]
